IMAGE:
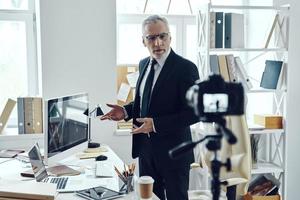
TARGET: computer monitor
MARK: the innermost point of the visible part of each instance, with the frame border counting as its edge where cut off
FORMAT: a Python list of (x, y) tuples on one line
[(66, 127)]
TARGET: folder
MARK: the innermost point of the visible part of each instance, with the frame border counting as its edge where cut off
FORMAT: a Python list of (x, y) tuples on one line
[(242, 74), (234, 30), (271, 74), (223, 68), (219, 30), (212, 29), (233, 77), (9, 106)]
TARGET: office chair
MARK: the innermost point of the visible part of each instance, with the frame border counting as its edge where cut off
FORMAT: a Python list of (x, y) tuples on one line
[(240, 154)]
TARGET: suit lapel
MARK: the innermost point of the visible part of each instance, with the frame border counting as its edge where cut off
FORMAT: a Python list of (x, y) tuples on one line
[(137, 99), (142, 73)]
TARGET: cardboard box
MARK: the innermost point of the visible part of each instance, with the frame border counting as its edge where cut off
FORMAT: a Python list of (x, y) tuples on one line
[(271, 197), (269, 121)]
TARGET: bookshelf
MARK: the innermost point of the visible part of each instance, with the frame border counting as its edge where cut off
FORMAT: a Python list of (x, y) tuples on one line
[(274, 158)]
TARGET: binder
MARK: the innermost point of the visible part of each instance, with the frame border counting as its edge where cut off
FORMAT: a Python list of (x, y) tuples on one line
[(271, 74), (30, 115), (21, 120), (214, 64), (9, 106), (234, 30), (219, 30)]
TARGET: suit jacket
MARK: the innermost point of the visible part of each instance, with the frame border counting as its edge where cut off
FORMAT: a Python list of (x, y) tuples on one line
[(169, 110)]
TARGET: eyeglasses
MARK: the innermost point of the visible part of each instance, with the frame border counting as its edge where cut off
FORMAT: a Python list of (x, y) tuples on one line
[(161, 36)]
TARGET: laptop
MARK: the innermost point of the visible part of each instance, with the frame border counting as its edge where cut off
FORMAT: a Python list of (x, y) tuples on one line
[(63, 184)]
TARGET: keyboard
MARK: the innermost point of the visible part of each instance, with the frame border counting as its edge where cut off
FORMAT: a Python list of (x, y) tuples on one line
[(60, 182), (104, 169)]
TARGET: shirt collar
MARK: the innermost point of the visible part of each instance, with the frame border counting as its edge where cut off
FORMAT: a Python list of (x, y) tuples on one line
[(161, 61)]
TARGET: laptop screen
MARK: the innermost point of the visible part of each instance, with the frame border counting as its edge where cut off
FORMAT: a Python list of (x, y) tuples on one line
[(38, 167)]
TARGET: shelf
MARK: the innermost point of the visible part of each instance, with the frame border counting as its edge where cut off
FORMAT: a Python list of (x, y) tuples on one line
[(286, 8), (265, 168), (266, 131), (264, 91), (249, 49)]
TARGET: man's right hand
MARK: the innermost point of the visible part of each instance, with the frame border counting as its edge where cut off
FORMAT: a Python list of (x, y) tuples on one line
[(116, 113)]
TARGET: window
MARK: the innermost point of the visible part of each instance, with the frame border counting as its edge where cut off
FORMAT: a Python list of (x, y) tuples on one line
[(129, 37), (18, 62)]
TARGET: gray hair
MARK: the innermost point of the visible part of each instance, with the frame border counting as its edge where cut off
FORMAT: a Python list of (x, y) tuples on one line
[(152, 19)]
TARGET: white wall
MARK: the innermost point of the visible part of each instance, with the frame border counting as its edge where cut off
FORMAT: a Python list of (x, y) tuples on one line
[(78, 54), (293, 105)]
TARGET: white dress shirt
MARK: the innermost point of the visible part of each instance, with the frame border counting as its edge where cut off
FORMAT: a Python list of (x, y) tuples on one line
[(157, 69)]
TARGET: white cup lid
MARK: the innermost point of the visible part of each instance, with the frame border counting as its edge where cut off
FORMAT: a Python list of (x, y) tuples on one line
[(146, 180)]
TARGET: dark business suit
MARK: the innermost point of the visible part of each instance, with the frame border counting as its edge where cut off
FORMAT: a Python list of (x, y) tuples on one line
[(171, 117)]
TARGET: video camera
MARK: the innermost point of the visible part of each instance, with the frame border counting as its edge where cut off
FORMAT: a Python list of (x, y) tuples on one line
[(214, 98)]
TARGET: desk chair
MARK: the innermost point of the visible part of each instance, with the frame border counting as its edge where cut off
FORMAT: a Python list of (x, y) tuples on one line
[(240, 154)]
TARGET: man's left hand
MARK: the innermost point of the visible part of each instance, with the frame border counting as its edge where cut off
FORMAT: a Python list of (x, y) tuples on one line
[(146, 127)]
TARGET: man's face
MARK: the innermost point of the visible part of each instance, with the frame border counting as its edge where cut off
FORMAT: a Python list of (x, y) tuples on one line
[(157, 39)]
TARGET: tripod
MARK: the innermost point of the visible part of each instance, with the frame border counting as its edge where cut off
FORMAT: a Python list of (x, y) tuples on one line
[(214, 145)]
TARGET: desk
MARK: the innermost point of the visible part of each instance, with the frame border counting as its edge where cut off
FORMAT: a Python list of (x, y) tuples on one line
[(12, 168)]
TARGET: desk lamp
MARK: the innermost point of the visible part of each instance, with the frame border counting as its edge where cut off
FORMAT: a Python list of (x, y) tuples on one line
[(96, 112)]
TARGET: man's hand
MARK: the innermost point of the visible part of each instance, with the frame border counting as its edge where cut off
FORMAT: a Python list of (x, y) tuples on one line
[(116, 113), (146, 127)]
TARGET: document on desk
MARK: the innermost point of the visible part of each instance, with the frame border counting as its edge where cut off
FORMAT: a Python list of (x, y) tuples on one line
[(104, 169)]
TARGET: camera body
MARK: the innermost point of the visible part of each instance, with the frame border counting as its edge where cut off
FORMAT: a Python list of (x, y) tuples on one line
[(215, 98)]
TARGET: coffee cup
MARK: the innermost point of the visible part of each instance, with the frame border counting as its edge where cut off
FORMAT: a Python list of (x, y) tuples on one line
[(145, 187)]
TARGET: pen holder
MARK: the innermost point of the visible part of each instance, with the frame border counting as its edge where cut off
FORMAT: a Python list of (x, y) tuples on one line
[(128, 184)]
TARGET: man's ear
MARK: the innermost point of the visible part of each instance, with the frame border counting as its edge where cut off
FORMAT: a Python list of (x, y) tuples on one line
[(143, 40)]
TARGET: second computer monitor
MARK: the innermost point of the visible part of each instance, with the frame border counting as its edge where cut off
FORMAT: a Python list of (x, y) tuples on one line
[(66, 127)]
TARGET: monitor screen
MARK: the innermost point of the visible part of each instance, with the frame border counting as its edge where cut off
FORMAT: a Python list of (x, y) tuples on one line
[(66, 123)]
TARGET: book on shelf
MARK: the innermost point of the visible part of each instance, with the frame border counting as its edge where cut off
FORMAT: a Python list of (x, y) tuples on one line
[(8, 108), (234, 30), (271, 74), (30, 115)]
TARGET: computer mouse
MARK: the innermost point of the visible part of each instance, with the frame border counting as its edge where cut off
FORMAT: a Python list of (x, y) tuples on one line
[(101, 157)]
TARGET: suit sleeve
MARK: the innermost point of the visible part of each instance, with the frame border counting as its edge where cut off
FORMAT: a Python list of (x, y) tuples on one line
[(129, 110), (185, 115)]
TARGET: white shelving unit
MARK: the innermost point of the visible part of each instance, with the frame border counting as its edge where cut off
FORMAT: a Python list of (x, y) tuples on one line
[(275, 160)]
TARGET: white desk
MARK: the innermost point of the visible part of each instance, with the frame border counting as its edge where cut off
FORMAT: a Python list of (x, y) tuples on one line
[(11, 170)]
